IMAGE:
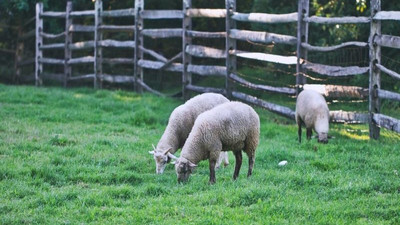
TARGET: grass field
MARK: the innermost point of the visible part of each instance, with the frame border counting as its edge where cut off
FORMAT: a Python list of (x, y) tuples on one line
[(80, 156)]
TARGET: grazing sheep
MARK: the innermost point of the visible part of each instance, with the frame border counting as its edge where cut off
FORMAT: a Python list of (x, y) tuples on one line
[(179, 126), (232, 126), (312, 110)]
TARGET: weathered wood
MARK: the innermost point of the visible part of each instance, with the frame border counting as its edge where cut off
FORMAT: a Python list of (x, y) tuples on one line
[(200, 89), (169, 62), (116, 44), (162, 33), (387, 71), (388, 95), (335, 71), (230, 46), (83, 13), (337, 20), (81, 45), (204, 34), (175, 67), (287, 60), (117, 28), (387, 122), (81, 77), (245, 83), (374, 72), (338, 91), (153, 53), (151, 90), (118, 13), (116, 78), (81, 28), (81, 60), (19, 51), (53, 14), (138, 53), (265, 18), (205, 52), (205, 70), (209, 13), (186, 41), (302, 37), (332, 48), (38, 44), (114, 61), (67, 41), (29, 21), (281, 110), (387, 41), (162, 14), (347, 117), (387, 15), (51, 61), (262, 37), (52, 46), (98, 38), (27, 35), (52, 36)]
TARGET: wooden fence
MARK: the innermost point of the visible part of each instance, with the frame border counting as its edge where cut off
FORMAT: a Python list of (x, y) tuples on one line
[(230, 54)]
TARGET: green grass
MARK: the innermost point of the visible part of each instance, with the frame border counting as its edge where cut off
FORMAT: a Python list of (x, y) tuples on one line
[(79, 156)]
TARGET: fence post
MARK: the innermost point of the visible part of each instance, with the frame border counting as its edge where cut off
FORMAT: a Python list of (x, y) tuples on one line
[(374, 72), (230, 46), (186, 41), (138, 70), (302, 37), (19, 51), (38, 44), (68, 41), (98, 8)]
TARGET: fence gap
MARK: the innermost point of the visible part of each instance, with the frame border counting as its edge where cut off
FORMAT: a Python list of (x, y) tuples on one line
[(374, 71), (68, 41), (38, 45), (302, 37), (186, 41), (230, 46), (138, 70)]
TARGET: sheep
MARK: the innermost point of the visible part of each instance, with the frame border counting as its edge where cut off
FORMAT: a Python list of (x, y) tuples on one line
[(313, 112), (180, 124), (232, 126)]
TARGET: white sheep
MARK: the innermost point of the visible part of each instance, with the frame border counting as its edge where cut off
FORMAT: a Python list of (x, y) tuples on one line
[(313, 112), (180, 124), (233, 126)]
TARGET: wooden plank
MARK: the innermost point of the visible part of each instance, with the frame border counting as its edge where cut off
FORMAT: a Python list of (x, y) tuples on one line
[(388, 71), (230, 46), (332, 48), (52, 46), (281, 110), (81, 28), (53, 14), (338, 91), (287, 60), (67, 41), (262, 37), (117, 28), (384, 94), (209, 13), (205, 52), (387, 15), (348, 117), (154, 54), (81, 60), (205, 89), (52, 61), (169, 62), (186, 41), (114, 61), (387, 41), (82, 13), (387, 122), (245, 83), (38, 44), (205, 34), (151, 90), (162, 14), (116, 44), (81, 45), (175, 67), (98, 38), (337, 20), (117, 78), (162, 33), (374, 73), (118, 13), (205, 70), (27, 35), (139, 41), (52, 36), (81, 77), (265, 18), (302, 37), (335, 71)]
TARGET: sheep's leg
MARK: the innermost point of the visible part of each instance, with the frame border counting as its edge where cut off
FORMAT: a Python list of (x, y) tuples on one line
[(251, 165), (299, 130), (212, 171), (238, 156), (309, 133)]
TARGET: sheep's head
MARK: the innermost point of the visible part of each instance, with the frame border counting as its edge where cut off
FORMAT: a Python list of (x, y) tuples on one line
[(161, 158), (184, 168), (323, 138)]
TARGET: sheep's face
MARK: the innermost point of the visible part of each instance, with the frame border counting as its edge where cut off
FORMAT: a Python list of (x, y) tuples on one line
[(323, 138), (183, 169), (161, 158)]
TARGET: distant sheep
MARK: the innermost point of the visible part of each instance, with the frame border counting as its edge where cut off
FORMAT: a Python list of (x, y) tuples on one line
[(232, 126), (312, 110), (179, 126)]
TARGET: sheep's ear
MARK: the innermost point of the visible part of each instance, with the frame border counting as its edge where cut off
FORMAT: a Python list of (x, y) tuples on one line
[(151, 152), (167, 151), (171, 156)]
